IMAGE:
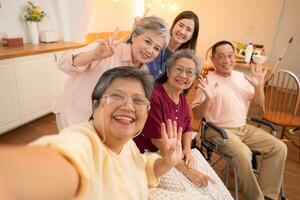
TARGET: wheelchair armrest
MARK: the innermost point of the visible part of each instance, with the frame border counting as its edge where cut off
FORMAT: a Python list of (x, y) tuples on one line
[(266, 123), (218, 130)]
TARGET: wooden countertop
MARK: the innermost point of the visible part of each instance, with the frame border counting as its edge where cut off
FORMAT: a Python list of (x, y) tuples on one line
[(30, 49)]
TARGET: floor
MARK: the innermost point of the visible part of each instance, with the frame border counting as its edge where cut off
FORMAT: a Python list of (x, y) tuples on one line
[(46, 125)]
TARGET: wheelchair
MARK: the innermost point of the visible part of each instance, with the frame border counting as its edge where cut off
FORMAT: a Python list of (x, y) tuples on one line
[(208, 147)]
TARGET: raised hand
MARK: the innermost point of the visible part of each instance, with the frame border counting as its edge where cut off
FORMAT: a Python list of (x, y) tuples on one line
[(208, 89), (256, 75), (106, 48), (171, 138)]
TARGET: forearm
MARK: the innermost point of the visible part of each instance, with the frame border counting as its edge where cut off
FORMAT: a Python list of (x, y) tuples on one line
[(183, 168), (259, 96), (186, 142), (200, 110), (83, 59), (37, 173), (161, 167)]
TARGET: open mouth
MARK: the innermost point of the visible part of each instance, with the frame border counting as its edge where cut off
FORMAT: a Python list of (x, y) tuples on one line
[(123, 119), (181, 81), (180, 36)]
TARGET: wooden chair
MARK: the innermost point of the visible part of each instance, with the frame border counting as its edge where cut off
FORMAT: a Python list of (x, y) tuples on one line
[(282, 101)]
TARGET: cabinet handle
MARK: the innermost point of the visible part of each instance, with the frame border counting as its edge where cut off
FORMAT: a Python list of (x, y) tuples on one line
[(55, 58)]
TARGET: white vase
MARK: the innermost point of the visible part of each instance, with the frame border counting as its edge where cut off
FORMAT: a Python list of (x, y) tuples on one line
[(33, 32)]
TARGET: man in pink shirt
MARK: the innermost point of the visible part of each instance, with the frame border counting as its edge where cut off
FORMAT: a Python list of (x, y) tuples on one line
[(85, 66), (224, 98)]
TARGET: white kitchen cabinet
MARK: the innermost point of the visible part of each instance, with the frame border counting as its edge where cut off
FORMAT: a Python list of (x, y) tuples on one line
[(37, 83), (30, 82), (9, 104), (30, 86)]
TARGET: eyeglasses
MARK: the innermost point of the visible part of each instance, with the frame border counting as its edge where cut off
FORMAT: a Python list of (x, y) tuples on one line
[(138, 102), (189, 72)]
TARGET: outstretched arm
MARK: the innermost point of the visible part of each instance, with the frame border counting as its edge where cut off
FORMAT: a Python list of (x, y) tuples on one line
[(103, 50), (35, 173)]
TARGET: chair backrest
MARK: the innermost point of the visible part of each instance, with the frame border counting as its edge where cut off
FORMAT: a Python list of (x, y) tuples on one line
[(208, 65), (282, 93)]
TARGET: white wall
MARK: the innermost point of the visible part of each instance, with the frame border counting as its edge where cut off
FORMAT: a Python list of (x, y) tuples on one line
[(234, 20), (288, 27), (102, 19), (11, 23)]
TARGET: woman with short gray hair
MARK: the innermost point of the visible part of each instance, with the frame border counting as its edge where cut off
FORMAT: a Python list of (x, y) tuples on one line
[(84, 66), (193, 177)]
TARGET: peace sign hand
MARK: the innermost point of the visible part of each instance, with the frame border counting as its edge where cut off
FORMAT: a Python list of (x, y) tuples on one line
[(106, 48), (172, 149)]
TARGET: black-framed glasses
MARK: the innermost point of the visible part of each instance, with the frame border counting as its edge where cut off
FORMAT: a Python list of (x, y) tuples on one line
[(138, 102), (189, 71)]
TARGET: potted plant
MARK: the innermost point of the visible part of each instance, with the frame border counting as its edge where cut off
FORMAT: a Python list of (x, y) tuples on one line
[(32, 15)]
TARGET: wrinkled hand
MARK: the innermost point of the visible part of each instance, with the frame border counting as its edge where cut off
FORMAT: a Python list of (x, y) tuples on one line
[(256, 75), (106, 48), (171, 138), (208, 89), (199, 179), (189, 159)]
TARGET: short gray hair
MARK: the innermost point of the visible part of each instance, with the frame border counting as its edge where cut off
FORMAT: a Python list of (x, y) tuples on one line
[(155, 24), (184, 53), (121, 72)]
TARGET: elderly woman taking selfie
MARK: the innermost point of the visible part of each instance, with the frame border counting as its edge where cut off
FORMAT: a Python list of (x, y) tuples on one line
[(193, 175), (96, 159)]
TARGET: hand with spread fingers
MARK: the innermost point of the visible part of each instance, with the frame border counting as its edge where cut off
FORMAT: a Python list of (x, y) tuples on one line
[(256, 75), (171, 138), (208, 88), (106, 48)]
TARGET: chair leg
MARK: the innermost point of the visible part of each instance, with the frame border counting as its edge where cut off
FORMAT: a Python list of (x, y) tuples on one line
[(227, 174), (236, 189), (282, 132)]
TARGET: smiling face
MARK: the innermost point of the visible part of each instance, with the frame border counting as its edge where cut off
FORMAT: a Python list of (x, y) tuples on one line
[(118, 119), (183, 31), (146, 46), (182, 74), (224, 60)]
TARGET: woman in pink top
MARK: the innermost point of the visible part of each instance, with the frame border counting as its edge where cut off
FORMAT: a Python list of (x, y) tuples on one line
[(85, 65)]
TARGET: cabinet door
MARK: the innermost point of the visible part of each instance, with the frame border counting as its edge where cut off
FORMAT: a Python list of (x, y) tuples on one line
[(37, 84), (9, 106)]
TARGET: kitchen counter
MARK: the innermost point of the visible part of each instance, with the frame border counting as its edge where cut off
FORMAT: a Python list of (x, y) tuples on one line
[(30, 49)]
